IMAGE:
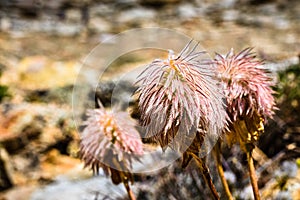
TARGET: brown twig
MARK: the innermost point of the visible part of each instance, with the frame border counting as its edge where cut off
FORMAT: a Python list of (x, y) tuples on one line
[(217, 153), (129, 191), (252, 175), (205, 172)]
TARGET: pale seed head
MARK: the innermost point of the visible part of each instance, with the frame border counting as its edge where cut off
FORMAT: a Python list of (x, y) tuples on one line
[(247, 88), (246, 84), (110, 141), (178, 94)]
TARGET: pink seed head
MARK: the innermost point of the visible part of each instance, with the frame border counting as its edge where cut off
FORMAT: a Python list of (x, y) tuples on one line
[(109, 141), (178, 94), (246, 84)]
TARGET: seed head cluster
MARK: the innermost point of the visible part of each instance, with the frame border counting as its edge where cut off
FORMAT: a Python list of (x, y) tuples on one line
[(183, 100)]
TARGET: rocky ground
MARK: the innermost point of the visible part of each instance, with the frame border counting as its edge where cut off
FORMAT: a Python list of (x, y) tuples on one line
[(42, 47)]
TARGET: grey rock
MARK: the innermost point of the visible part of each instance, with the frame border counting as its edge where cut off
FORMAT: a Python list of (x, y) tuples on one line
[(247, 193), (99, 25), (48, 25), (5, 24), (67, 29), (230, 15), (187, 11), (136, 15), (230, 177), (280, 22), (289, 169), (103, 10), (282, 65), (98, 187), (227, 3), (268, 9), (283, 195), (73, 15)]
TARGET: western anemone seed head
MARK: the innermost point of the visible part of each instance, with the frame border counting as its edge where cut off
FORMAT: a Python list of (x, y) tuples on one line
[(176, 96), (247, 88), (110, 141)]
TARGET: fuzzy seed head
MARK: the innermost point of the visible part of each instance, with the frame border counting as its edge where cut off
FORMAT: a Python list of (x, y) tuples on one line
[(250, 101), (246, 85), (110, 141), (176, 95)]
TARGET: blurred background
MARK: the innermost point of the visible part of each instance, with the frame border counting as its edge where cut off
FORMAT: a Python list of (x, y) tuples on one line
[(42, 47)]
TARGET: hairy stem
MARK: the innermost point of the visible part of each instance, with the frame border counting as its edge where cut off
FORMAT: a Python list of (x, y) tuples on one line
[(217, 153), (253, 175), (129, 191), (205, 172)]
